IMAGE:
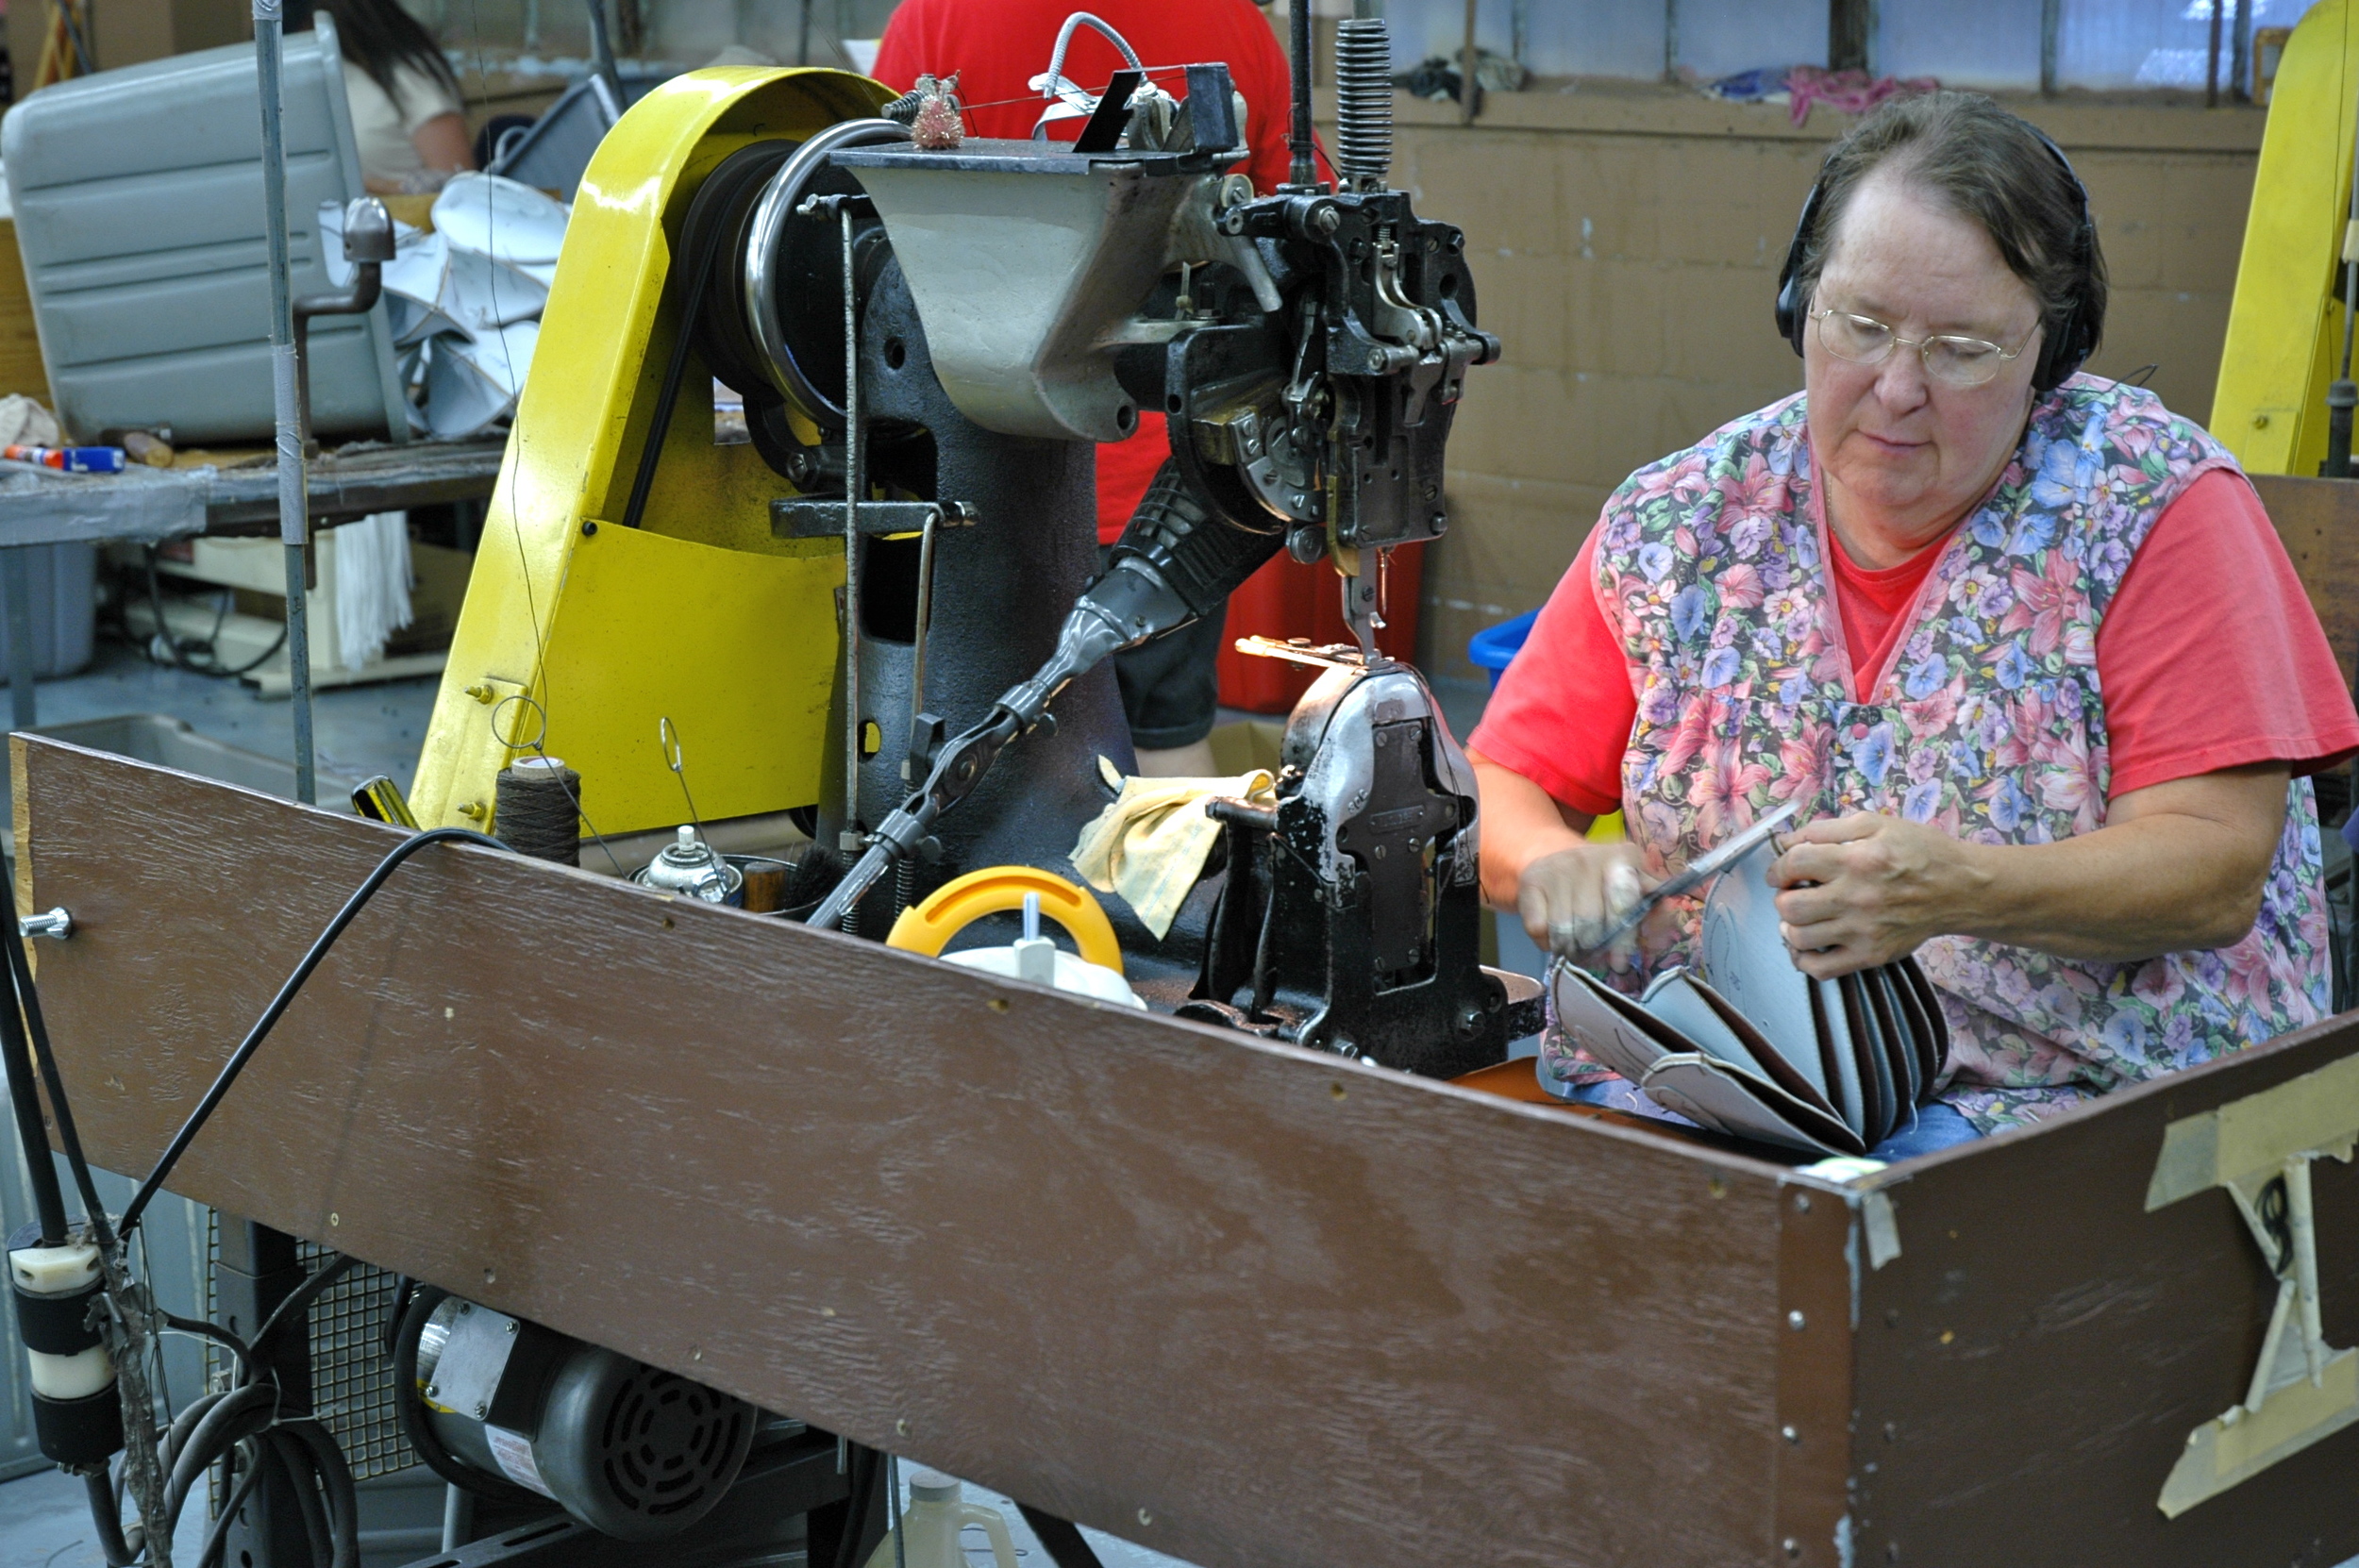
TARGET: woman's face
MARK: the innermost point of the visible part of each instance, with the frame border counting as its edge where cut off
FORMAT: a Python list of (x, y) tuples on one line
[(1904, 456)]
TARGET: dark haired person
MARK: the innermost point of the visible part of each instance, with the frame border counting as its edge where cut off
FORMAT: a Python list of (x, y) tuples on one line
[(407, 116), (2020, 639)]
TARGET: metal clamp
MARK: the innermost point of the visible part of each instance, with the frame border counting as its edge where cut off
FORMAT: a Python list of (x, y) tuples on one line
[(57, 924)]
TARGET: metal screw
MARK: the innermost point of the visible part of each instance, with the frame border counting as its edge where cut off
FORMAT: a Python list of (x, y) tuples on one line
[(1794, 1320), (1793, 1547), (335, 1219), (589, 528), (1791, 1434), (1801, 1203), (512, 1325), (1145, 1518), (465, 1306), (901, 1426), (1326, 220), (481, 1409), (434, 1391), (56, 925)]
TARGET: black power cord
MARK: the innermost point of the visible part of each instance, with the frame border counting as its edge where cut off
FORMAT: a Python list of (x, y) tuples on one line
[(243, 1421), (278, 1005)]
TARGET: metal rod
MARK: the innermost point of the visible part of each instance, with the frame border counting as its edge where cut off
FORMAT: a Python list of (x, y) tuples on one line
[(892, 1489), (853, 480), (924, 618), (2211, 60), (16, 586), (2051, 25), (2240, 53), (1468, 87), (1305, 168), (294, 509), (2301, 1226)]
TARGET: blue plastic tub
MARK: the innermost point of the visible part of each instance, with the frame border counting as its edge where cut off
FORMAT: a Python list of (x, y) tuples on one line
[(1494, 648)]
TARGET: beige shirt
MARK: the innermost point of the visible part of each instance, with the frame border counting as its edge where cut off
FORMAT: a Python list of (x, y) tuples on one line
[(381, 127)]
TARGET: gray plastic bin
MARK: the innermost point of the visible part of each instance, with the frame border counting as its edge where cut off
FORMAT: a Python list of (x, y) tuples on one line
[(138, 210)]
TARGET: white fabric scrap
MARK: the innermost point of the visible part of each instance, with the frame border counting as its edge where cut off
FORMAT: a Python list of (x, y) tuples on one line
[(372, 586), (25, 422), (1151, 845)]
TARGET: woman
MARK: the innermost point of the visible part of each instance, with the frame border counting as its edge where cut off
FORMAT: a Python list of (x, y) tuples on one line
[(407, 116), (2020, 639)]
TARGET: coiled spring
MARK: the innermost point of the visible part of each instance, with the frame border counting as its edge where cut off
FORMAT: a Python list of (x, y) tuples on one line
[(1364, 103)]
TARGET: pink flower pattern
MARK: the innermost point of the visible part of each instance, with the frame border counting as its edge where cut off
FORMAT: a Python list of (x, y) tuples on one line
[(1990, 725)]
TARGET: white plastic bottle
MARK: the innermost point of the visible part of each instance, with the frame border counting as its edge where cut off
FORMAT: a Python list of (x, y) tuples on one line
[(938, 1509)]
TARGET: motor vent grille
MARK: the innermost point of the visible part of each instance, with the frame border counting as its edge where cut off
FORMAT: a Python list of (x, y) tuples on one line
[(669, 1447)]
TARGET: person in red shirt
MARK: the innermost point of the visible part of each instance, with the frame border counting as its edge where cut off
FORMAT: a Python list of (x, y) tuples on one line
[(1170, 687), (2025, 644)]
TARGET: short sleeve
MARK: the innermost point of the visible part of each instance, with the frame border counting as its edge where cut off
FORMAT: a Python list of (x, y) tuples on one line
[(2210, 657), (420, 97), (1562, 713)]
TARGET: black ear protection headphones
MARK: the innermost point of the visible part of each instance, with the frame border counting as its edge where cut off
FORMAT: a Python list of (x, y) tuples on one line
[(2069, 340)]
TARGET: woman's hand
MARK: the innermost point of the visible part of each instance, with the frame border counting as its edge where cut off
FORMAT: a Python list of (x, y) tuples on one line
[(1571, 898), (1864, 891)]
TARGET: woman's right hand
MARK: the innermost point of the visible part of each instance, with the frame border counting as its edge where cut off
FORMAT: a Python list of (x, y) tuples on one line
[(1571, 898)]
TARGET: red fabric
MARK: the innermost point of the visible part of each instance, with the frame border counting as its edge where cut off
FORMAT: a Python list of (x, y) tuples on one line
[(997, 47), (2209, 656), (1876, 605)]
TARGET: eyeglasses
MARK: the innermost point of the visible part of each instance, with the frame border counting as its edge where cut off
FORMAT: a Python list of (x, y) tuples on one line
[(1954, 361)]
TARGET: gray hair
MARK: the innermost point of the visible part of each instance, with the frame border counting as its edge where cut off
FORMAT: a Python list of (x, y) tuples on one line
[(1985, 164)]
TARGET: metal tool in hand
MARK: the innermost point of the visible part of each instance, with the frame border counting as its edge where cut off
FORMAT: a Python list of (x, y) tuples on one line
[(1700, 870)]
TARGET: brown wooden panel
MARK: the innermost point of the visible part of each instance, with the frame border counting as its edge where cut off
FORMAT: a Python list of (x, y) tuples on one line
[(1237, 1301), (2318, 520), (2031, 1363)]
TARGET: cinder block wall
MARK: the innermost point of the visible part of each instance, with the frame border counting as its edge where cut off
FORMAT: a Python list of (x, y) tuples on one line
[(1625, 240)]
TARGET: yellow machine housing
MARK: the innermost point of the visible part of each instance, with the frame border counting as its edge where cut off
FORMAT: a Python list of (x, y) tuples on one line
[(600, 631), (2285, 326)]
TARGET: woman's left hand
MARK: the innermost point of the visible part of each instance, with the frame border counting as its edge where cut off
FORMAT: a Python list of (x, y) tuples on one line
[(1863, 891)]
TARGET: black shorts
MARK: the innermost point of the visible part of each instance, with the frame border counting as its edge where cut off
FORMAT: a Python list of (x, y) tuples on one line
[(1171, 687)]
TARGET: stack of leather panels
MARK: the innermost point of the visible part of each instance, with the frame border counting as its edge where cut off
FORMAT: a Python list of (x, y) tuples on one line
[(1745, 1044)]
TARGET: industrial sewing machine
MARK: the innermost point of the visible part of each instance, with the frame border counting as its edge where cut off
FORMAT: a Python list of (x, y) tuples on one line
[(930, 341), (904, 614)]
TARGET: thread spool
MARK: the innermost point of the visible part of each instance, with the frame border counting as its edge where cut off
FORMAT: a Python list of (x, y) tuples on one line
[(536, 809)]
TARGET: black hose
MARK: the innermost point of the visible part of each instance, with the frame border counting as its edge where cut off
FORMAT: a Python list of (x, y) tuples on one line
[(293, 1306), (217, 1538), (24, 1102), (292, 1473), (338, 1500), (216, 1332), (236, 1416), (278, 1005), (106, 1516)]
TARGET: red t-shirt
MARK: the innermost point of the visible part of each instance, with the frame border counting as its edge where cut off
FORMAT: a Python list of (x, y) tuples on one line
[(998, 46), (2209, 657)]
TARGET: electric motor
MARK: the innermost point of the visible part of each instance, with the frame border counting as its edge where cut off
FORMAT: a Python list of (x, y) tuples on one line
[(496, 1404)]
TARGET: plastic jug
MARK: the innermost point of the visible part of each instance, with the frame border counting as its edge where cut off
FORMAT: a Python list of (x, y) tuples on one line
[(938, 1509)]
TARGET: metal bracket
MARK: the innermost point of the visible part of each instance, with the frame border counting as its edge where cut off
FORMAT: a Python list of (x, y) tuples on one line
[(2260, 1149), (801, 518)]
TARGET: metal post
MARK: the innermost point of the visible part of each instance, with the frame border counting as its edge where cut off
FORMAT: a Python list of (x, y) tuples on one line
[(2051, 24), (855, 477), (294, 522), (15, 586)]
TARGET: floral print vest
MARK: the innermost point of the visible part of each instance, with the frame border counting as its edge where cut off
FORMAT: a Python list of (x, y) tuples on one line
[(1989, 724)]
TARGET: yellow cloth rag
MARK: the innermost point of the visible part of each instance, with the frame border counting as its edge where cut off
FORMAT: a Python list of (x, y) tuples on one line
[(1151, 845)]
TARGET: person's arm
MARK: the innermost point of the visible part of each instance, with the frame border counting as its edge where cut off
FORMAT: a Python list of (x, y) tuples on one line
[(442, 144), (2177, 867), (1537, 861)]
